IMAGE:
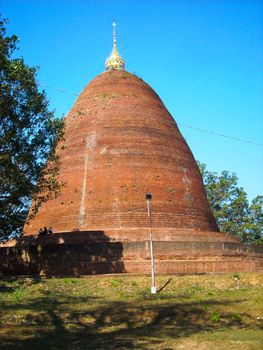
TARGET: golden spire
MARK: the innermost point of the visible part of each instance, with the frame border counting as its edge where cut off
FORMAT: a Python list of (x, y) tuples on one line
[(114, 61)]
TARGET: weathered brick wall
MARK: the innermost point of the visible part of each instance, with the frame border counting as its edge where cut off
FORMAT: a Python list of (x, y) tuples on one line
[(44, 257)]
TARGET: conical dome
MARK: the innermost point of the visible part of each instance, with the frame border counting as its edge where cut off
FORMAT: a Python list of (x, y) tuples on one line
[(121, 142)]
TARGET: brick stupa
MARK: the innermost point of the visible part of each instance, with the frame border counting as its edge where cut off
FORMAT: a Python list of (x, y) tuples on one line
[(120, 142)]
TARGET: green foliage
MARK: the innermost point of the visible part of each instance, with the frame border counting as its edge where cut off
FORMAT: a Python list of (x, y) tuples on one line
[(235, 317), (70, 281), (237, 276), (29, 133), (115, 283), (215, 317), (231, 207)]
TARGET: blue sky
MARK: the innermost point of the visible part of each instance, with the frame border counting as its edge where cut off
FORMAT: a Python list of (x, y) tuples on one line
[(203, 58)]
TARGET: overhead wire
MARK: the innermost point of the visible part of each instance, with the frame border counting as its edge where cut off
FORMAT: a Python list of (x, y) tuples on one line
[(59, 90), (221, 135)]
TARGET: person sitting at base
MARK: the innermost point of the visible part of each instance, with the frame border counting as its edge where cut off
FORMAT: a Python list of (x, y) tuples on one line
[(45, 231), (41, 232), (50, 230)]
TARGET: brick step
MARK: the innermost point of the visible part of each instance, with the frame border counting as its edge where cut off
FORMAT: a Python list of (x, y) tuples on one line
[(78, 268), (193, 267)]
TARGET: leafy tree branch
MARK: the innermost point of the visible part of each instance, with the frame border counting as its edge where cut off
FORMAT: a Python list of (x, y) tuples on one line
[(29, 133)]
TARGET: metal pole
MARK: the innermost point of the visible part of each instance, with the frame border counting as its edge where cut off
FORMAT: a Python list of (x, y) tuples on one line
[(148, 198)]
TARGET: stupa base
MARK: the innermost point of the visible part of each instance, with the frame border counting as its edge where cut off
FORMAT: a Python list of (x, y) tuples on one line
[(92, 252)]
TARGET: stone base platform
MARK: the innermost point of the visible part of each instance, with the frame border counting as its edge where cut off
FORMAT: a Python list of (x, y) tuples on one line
[(92, 252)]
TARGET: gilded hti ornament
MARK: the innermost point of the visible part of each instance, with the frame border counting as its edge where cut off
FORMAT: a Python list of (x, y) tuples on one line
[(114, 61)]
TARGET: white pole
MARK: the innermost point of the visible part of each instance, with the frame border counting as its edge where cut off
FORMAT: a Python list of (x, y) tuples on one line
[(153, 288)]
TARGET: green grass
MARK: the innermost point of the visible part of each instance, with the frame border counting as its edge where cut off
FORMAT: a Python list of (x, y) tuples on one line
[(118, 312)]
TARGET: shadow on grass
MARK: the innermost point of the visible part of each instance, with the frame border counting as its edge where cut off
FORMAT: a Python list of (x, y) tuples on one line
[(11, 284), (88, 323), (165, 284)]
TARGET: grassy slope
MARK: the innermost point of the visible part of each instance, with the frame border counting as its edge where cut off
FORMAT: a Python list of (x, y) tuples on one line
[(118, 312)]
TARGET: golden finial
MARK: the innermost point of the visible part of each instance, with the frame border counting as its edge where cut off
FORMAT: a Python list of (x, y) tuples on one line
[(114, 61)]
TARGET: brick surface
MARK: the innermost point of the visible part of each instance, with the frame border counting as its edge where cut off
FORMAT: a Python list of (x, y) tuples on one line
[(121, 142), (41, 256)]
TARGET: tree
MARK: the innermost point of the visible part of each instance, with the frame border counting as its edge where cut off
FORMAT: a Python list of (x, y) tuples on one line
[(231, 207), (256, 217), (29, 133)]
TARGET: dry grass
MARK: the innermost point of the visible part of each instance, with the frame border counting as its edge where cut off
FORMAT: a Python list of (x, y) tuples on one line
[(118, 312)]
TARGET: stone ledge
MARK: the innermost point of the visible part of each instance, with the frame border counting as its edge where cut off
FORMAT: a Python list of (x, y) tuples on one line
[(128, 257), (133, 234)]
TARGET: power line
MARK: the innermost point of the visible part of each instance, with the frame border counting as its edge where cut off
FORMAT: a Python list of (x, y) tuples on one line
[(59, 90), (221, 135), (171, 122)]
